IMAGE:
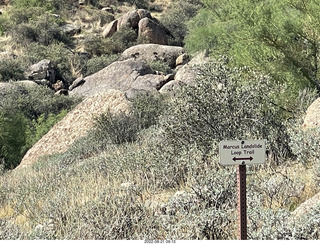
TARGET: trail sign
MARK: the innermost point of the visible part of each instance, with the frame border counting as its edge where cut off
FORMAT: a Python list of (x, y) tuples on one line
[(242, 152)]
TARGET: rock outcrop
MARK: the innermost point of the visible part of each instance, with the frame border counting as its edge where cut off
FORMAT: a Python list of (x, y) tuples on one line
[(151, 32), (120, 75), (110, 29), (312, 118), (306, 207), (148, 28), (113, 88), (76, 124), (154, 52), (41, 72)]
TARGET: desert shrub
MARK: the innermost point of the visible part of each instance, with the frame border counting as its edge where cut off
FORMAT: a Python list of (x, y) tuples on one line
[(161, 67), (305, 144), (206, 212), (23, 4), (175, 19), (94, 45), (42, 125), (307, 226), (26, 114), (269, 224), (124, 127), (228, 103), (11, 69), (276, 190), (9, 231), (58, 53), (147, 108), (43, 29), (93, 15), (118, 128), (137, 3), (96, 64), (121, 40), (33, 102), (124, 38)]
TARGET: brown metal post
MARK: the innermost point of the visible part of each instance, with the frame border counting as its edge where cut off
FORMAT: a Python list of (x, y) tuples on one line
[(242, 201)]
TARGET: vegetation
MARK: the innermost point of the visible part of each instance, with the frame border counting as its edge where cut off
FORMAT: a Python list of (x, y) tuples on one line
[(145, 179), (278, 37), (26, 114), (153, 172)]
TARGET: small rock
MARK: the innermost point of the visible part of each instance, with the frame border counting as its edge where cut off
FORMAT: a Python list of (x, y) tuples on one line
[(28, 83), (182, 59), (39, 227), (127, 185), (71, 29), (108, 9), (59, 85), (78, 82), (110, 29), (312, 118), (62, 92)]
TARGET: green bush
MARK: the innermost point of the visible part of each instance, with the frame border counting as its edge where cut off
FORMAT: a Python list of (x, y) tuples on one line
[(96, 64), (161, 67), (118, 128), (42, 125), (175, 19), (228, 104), (43, 29), (147, 108), (13, 127), (124, 38), (58, 53), (11, 70), (24, 4), (33, 102), (27, 113), (124, 127)]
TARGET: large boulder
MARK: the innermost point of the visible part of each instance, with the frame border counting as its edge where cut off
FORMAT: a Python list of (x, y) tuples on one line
[(151, 32), (120, 75), (148, 28), (132, 18), (76, 124), (154, 52), (41, 72), (306, 207), (312, 118)]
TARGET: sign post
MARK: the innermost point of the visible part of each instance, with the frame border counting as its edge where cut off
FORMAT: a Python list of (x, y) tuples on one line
[(241, 153), (242, 201)]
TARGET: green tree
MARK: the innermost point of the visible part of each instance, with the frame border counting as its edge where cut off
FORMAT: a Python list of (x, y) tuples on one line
[(280, 38)]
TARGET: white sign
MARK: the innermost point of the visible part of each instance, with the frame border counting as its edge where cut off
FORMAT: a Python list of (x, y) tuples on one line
[(242, 152)]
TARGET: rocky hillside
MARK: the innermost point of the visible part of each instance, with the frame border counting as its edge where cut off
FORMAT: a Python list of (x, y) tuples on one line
[(119, 128)]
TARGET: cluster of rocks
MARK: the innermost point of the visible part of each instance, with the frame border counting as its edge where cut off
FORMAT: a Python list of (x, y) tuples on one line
[(149, 29), (43, 73), (132, 73), (111, 88)]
